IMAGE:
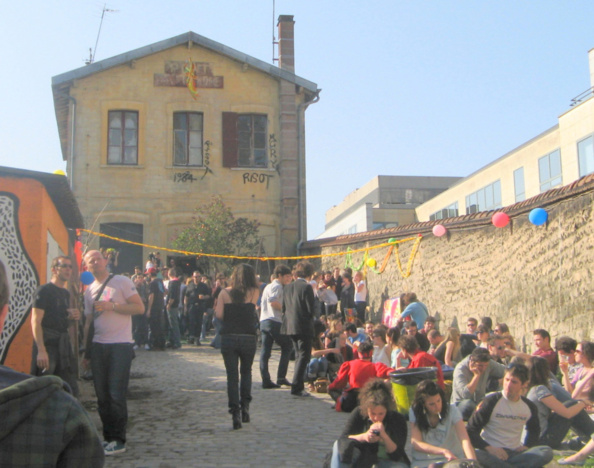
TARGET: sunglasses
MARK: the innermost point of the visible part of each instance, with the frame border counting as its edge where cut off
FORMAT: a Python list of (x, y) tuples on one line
[(63, 265)]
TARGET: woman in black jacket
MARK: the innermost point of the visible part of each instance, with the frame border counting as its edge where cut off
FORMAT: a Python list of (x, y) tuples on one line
[(375, 433)]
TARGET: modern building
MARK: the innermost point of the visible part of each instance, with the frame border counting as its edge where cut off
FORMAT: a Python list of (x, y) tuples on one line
[(151, 134), (556, 157), (384, 202)]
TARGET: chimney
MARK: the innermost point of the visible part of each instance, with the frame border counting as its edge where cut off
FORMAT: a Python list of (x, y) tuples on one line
[(286, 42)]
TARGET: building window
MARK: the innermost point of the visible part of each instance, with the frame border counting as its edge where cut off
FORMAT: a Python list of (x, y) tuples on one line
[(485, 199), (244, 140), (586, 156), (377, 225), (549, 169), (519, 190), (122, 137), (187, 139), (448, 212), (352, 229)]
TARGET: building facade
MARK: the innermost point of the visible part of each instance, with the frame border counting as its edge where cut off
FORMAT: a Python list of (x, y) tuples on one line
[(154, 133), (384, 202), (556, 157)]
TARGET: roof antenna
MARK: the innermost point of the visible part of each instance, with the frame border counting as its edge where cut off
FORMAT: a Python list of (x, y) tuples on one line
[(274, 41), (93, 52)]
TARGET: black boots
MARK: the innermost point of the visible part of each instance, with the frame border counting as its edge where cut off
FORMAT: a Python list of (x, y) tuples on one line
[(236, 415), (245, 413)]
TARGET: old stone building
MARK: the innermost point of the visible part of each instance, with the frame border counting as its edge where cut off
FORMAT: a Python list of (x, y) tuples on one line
[(151, 134)]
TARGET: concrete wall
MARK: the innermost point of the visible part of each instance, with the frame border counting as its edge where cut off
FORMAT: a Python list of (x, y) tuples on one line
[(524, 275)]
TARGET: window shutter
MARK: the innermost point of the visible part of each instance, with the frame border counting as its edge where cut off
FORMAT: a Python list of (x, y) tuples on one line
[(230, 139)]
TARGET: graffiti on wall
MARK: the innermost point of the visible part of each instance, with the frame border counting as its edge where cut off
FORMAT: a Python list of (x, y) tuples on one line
[(22, 275), (255, 178)]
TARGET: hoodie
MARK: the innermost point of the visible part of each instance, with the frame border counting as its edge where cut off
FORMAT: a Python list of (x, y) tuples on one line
[(42, 425)]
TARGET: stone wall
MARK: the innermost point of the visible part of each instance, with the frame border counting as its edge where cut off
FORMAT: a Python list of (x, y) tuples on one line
[(524, 275)]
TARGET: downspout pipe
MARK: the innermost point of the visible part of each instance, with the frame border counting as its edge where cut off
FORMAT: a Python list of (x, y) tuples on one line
[(72, 130), (301, 108)]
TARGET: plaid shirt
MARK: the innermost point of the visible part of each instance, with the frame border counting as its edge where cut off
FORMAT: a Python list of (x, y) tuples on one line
[(43, 425)]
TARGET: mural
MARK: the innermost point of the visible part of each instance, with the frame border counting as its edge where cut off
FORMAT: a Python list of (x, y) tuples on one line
[(22, 275)]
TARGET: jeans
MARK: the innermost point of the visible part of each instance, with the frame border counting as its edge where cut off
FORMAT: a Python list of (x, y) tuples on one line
[(140, 329), (558, 426), (216, 341), (317, 367), (534, 457), (174, 334), (302, 344), (238, 350), (111, 364), (157, 326), (56, 367), (336, 463), (206, 320), (466, 408), (361, 306), (270, 333)]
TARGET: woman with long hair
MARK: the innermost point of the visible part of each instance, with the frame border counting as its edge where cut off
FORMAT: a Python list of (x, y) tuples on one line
[(448, 350), (336, 328), (397, 361), (318, 363), (236, 308), (375, 433), (555, 417), (581, 384), (381, 350), (438, 434)]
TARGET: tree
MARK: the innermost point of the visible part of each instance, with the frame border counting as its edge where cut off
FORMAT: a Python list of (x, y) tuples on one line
[(215, 230)]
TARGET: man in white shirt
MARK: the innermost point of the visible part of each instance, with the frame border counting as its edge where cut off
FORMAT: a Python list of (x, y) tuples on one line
[(270, 325)]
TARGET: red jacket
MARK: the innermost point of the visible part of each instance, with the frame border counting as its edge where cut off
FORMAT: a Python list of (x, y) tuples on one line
[(356, 373), (423, 359)]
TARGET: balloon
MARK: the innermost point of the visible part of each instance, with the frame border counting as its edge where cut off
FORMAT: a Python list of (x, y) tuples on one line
[(371, 263), (500, 219), (86, 278), (538, 216), (59, 172), (439, 230), (392, 240)]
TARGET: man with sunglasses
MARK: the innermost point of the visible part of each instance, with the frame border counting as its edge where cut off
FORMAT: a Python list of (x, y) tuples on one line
[(50, 319)]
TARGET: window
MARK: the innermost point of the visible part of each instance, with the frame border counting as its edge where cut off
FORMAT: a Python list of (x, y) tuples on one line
[(549, 169), (448, 212), (187, 139), (586, 156), (122, 137), (244, 140), (519, 189), (487, 198)]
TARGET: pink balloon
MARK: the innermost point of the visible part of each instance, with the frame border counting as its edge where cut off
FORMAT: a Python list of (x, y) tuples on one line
[(500, 219), (439, 230)]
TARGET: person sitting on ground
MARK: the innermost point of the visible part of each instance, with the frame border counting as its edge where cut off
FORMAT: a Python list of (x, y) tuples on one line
[(542, 342), (430, 324), (448, 352), (412, 330), (487, 323), (352, 375), (410, 349), (317, 368), (335, 360), (381, 351), (498, 354), (482, 337), (42, 423), (438, 434), (336, 328), (471, 325), (435, 339), (375, 434), (397, 361), (582, 383), (495, 429), (413, 308), (555, 417), (582, 455), (500, 329), (565, 347), (471, 376), (369, 327), (354, 337)]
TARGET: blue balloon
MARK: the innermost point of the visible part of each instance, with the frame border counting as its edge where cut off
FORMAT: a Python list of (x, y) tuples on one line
[(86, 278), (538, 216)]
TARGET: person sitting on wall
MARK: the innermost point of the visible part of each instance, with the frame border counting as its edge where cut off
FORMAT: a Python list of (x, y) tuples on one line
[(352, 375), (42, 423)]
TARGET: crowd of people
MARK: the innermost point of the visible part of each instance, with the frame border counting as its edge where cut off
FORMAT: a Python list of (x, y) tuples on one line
[(489, 404)]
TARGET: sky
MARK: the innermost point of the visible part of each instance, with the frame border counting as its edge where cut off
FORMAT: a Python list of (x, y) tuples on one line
[(424, 88)]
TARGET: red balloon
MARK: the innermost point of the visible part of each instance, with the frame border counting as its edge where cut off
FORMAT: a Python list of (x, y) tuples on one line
[(500, 219)]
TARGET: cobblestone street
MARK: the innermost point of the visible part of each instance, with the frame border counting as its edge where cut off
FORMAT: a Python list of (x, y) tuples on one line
[(178, 417)]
